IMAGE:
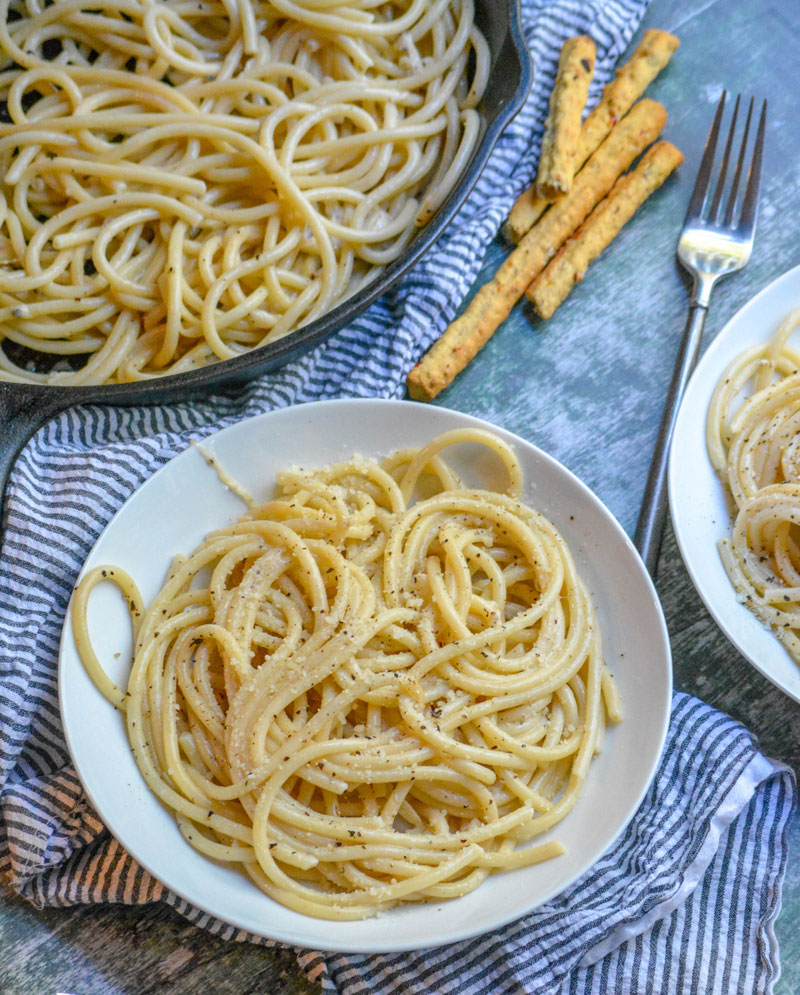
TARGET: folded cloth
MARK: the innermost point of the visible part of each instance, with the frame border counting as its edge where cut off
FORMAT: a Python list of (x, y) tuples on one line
[(683, 903), (699, 868)]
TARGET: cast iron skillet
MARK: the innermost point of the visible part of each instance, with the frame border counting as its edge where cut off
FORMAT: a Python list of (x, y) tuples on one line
[(24, 407)]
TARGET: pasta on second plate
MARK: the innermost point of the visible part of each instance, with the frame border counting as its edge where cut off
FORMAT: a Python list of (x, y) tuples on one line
[(753, 439), (365, 699)]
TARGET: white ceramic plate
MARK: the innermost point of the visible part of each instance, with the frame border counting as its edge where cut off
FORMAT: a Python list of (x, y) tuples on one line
[(185, 500), (699, 503)]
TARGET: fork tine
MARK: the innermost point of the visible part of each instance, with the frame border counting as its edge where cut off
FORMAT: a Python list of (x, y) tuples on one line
[(750, 206), (704, 173), (725, 159), (739, 166)]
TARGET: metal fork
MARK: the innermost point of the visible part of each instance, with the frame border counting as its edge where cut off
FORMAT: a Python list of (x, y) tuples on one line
[(710, 247)]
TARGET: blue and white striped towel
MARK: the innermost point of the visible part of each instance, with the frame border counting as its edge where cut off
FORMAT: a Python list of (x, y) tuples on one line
[(683, 903)]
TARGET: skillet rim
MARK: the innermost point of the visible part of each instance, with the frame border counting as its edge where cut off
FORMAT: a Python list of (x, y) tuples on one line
[(514, 58)]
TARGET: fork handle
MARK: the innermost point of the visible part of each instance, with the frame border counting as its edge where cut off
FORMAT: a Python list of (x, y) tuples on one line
[(650, 526)]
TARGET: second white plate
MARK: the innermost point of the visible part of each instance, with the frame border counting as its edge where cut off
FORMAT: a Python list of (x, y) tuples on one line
[(698, 500), (185, 500)]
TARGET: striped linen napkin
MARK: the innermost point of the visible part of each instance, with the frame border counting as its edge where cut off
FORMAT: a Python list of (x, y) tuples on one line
[(684, 902)]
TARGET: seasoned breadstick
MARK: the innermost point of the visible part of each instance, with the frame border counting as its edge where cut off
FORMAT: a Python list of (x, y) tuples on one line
[(605, 222), (562, 129), (464, 337), (650, 57)]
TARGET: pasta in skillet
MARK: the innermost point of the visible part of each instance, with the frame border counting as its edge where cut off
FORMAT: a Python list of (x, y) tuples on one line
[(365, 699), (184, 181)]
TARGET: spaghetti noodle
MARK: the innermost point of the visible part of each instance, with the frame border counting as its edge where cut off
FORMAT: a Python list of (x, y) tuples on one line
[(754, 444), (184, 181), (363, 699)]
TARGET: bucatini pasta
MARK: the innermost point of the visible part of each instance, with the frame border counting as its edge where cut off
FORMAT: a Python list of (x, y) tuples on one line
[(364, 699), (183, 181), (754, 444)]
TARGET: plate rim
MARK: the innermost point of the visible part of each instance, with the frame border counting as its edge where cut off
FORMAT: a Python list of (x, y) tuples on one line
[(718, 349), (503, 919)]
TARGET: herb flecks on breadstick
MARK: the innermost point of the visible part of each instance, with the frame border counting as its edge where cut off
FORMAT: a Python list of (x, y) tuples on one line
[(557, 162), (605, 222), (651, 56), (492, 304)]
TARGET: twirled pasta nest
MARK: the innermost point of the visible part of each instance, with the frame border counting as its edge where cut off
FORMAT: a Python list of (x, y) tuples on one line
[(365, 700)]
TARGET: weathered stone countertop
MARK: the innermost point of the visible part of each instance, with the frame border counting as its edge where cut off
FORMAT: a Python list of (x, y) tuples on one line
[(588, 387)]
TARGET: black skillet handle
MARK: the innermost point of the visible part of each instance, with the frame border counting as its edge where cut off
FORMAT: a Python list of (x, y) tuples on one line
[(23, 408)]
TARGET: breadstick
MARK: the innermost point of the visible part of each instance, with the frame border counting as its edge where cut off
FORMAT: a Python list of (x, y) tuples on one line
[(605, 222), (465, 336), (632, 79), (562, 129)]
